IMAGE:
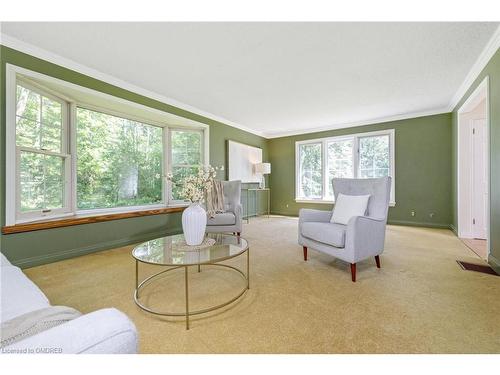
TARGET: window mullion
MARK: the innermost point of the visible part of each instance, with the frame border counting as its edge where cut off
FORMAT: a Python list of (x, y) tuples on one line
[(43, 152), (166, 165), (18, 183), (298, 171), (324, 168), (355, 157), (40, 137), (71, 149)]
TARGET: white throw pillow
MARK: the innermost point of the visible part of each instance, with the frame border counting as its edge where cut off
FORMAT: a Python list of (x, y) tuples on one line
[(348, 206)]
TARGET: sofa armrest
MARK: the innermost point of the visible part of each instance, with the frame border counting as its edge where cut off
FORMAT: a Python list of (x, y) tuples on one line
[(307, 214), (365, 236), (106, 331), (238, 212)]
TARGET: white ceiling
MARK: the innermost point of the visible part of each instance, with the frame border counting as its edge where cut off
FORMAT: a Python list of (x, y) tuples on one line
[(278, 78)]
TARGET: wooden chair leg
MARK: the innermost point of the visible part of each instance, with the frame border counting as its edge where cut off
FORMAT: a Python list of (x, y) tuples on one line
[(238, 233), (377, 259), (353, 272), (304, 248)]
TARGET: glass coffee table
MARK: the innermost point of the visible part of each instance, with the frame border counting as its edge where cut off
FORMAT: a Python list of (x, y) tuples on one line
[(172, 253)]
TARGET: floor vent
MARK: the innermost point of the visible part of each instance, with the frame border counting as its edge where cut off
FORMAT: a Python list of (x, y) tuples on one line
[(477, 268)]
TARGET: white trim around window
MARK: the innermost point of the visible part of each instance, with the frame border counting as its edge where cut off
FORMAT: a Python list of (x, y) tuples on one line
[(73, 96), (323, 142)]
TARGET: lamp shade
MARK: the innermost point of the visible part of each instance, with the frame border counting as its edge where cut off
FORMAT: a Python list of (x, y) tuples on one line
[(263, 168)]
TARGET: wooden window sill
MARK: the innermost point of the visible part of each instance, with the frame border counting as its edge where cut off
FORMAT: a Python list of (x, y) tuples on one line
[(79, 220)]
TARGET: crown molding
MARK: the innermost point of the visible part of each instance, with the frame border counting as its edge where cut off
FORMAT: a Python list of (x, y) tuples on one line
[(483, 59), (51, 57), (380, 120)]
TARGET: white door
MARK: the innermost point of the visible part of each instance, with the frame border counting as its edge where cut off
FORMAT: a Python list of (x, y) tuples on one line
[(479, 179)]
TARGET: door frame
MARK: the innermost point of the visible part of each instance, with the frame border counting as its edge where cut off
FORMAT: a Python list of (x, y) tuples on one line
[(479, 171), (482, 90)]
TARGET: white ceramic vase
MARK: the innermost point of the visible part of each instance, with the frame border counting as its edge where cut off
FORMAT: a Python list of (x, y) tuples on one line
[(194, 223)]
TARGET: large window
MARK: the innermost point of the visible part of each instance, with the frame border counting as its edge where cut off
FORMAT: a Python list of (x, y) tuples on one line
[(365, 155), (119, 161), (67, 157)]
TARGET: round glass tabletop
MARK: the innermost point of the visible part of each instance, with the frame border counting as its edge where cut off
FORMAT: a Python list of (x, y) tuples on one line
[(171, 250)]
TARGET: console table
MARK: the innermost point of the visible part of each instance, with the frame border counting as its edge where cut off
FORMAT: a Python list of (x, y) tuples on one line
[(257, 190)]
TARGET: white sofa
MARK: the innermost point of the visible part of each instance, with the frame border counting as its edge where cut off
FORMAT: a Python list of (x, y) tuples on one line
[(103, 331)]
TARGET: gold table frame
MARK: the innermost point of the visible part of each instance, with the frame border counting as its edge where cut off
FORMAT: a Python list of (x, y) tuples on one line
[(188, 313)]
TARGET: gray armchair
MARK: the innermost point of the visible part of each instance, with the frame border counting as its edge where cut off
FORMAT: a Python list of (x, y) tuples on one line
[(232, 219), (362, 237)]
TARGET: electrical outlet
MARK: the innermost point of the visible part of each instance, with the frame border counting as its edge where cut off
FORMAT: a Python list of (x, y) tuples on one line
[(431, 215), (412, 213)]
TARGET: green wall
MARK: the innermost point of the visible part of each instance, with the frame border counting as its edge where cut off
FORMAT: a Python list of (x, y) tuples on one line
[(423, 170), (426, 180), (492, 70), (27, 249)]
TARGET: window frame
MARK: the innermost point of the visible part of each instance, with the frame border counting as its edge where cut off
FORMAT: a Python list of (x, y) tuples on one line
[(15, 75), (324, 162), (64, 154)]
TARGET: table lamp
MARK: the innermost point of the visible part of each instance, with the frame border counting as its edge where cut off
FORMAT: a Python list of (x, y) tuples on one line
[(262, 169)]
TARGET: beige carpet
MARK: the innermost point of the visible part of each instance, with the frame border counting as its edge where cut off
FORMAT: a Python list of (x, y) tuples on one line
[(420, 301)]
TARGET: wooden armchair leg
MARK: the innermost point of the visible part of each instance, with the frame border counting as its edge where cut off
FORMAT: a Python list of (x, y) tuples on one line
[(304, 248), (377, 259), (353, 272)]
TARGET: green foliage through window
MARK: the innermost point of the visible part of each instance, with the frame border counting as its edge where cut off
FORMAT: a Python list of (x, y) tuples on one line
[(39, 136), (42, 184), (38, 121), (374, 156), (339, 162), (186, 154), (119, 161), (311, 175)]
